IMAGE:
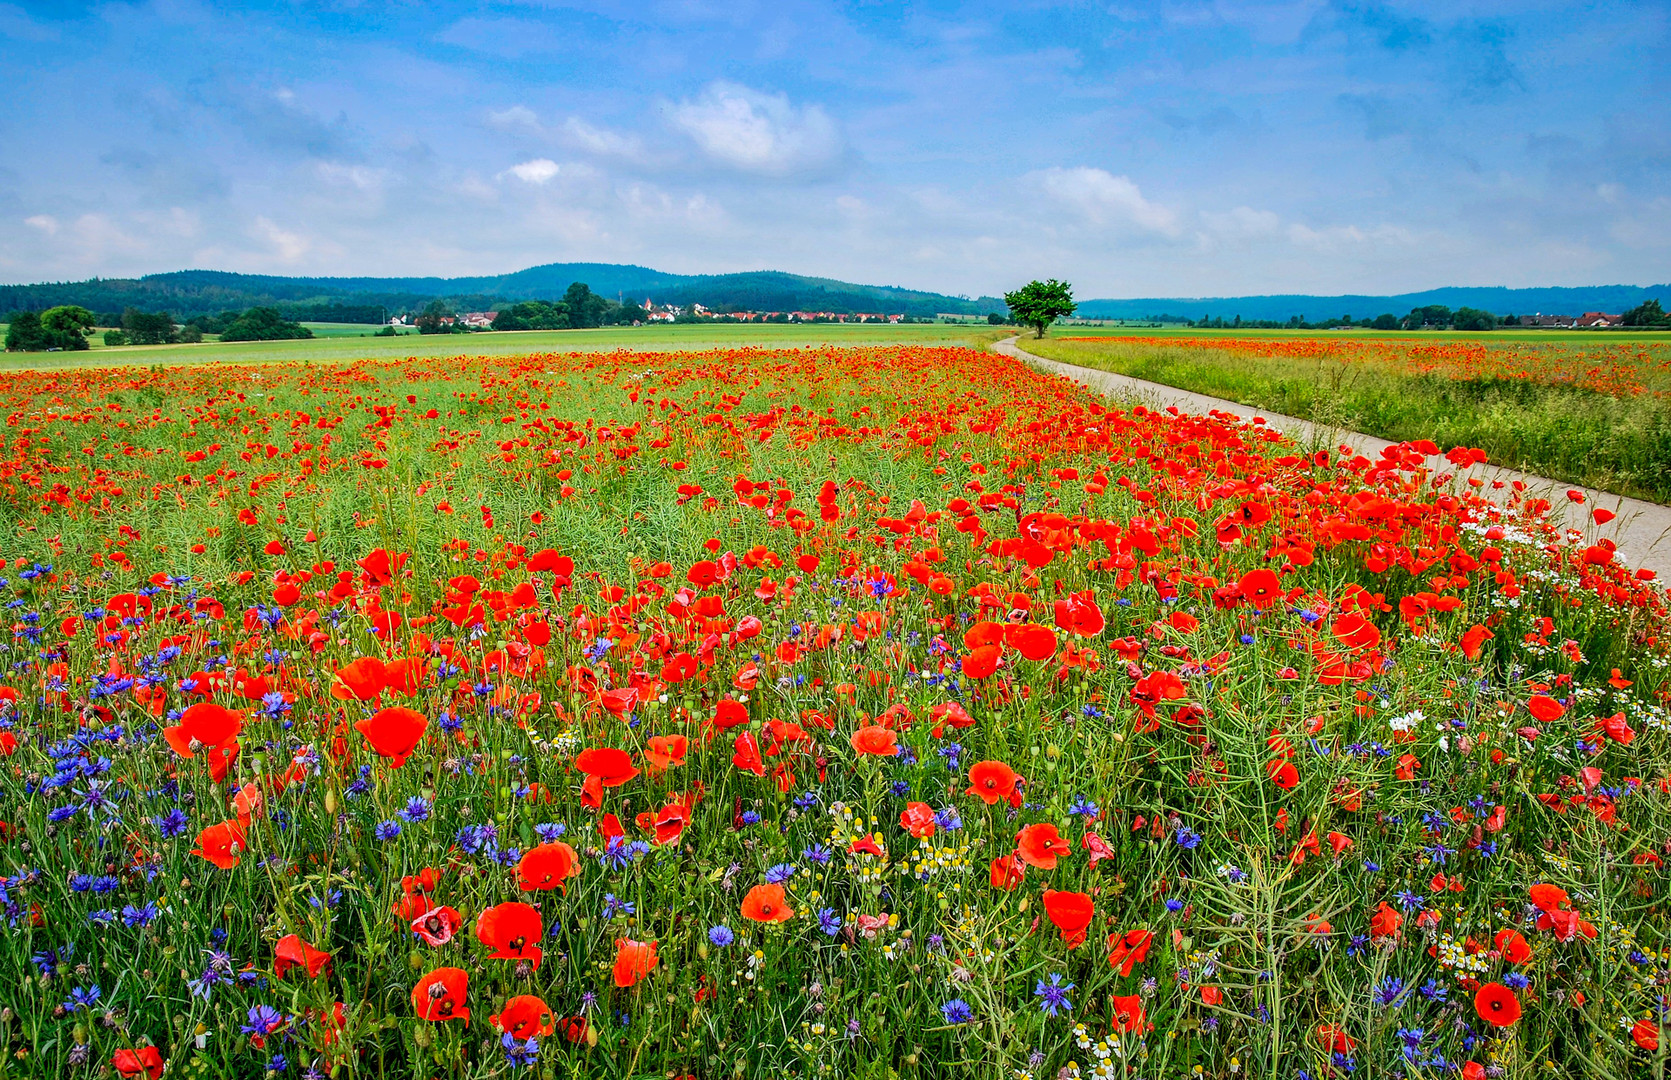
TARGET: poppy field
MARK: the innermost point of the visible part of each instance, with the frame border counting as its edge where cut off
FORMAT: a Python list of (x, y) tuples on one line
[(1592, 412), (871, 712)]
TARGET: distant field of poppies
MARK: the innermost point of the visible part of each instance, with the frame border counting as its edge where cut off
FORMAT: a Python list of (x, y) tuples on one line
[(876, 712), (1588, 409)]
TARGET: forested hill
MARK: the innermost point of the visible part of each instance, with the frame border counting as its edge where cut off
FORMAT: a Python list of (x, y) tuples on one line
[(186, 293)]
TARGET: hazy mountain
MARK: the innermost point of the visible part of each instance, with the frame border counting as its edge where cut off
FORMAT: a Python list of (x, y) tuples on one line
[(1499, 301)]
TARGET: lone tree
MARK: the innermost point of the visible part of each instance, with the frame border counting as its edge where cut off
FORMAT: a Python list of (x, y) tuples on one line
[(1040, 303)]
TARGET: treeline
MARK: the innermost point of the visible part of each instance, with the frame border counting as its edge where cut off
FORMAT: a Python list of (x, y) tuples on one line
[(1647, 315), (579, 309), (65, 328)]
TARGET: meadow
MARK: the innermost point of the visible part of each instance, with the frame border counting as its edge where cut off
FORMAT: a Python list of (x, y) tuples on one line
[(1584, 408), (886, 711)]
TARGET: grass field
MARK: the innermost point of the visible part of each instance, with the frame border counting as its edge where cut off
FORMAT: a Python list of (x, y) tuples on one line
[(885, 713), (1584, 408), (348, 345)]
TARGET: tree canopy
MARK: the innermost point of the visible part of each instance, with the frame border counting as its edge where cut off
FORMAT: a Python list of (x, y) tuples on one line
[(1040, 303), (264, 324)]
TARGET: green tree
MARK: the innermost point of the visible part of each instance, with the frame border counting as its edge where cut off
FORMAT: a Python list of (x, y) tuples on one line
[(586, 308), (148, 328), (1388, 321), (1647, 313), (1040, 303), (67, 326), (24, 333), (1467, 318), (264, 324), (430, 320)]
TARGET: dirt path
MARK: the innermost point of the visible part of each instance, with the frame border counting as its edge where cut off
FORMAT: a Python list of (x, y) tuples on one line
[(1642, 530)]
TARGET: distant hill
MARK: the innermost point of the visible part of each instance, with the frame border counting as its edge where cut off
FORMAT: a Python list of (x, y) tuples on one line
[(1614, 299), (186, 293)]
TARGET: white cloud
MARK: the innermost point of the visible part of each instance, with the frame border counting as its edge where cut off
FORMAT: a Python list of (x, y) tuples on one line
[(358, 176), (44, 222), (1241, 223), (537, 171), (515, 118), (1105, 200), (288, 246), (1347, 238), (601, 141), (760, 133)]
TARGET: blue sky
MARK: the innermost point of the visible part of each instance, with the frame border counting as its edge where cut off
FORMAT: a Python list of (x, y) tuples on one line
[(1166, 149)]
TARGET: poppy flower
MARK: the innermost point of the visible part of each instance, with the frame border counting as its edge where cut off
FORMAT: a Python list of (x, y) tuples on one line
[(668, 823), (604, 766), (525, 1017), (1069, 912), (1473, 641), (1497, 1004), (665, 752), (982, 661), (203, 726), (143, 1061), (951, 714), (440, 995), (221, 843), (1007, 871), (1078, 613), (1645, 1033), (1261, 589), (917, 819), (1385, 922), (511, 930), (1545, 708), (438, 925), (547, 866), (1128, 950), (1282, 773), (362, 680), (292, 951), (1032, 641), (1041, 845), (633, 961), (990, 781), (394, 732), (1128, 1013), (1355, 632), (1513, 946), (874, 740), (765, 903)]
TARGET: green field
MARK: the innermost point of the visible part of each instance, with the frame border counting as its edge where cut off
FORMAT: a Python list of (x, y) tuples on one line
[(1580, 407), (342, 342)]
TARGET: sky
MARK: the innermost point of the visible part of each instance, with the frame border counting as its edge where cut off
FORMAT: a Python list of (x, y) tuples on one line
[(1167, 149)]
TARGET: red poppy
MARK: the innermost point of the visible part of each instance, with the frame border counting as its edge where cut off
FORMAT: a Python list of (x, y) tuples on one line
[(982, 661), (1335, 1040), (604, 766), (362, 680), (1355, 632), (1282, 773), (990, 781), (1078, 613), (1474, 639), (1032, 641), (292, 951), (221, 843), (633, 961), (440, 995), (1645, 1033), (1007, 871), (1385, 922), (1128, 1013), (438, 925), (1041, 845), (668, 823), (1497, 1005), (1261, 589), (144, 1061), (547, 866), (525, 1017), (394, 732), (874, 740), (1069, 912), (951, 714), (917, 819), (1128, 950), (1545, 708), (512, 931), (204, 726), (665, 752), (765, 903), (1513, 946)]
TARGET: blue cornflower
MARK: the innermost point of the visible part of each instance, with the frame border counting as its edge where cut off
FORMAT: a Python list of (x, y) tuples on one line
[(83, 998), (721, 936), (780, 873), (386, 831), (614, 905), (1053, 996), (415, 810), (817, 853), (829, 921), (139, 916), (519, 1054), (1085, 807), (1390, 994), (1187, 839), (957, 1011), (549, 831)]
